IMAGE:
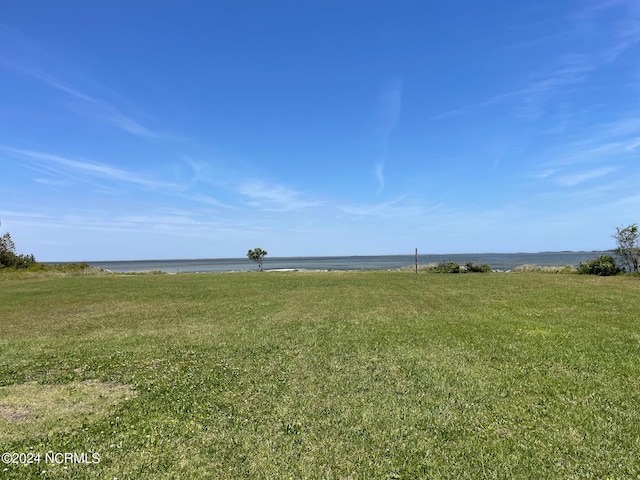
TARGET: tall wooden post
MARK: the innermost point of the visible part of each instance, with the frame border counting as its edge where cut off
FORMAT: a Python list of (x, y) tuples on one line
[(416, 260)]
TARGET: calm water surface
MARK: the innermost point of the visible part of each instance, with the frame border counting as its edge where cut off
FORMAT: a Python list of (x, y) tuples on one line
[(497, 261)]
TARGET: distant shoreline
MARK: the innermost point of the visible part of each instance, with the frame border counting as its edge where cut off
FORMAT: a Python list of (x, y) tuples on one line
[(497, 261), (323, 257)]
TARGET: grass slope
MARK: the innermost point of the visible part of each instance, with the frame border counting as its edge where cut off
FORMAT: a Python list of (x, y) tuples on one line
[(357, 375)]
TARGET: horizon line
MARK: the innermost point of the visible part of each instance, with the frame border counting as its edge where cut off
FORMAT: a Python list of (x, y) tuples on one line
[(326, 256)]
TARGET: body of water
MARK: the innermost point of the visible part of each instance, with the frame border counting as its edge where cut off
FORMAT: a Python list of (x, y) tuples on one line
[(497, 261)]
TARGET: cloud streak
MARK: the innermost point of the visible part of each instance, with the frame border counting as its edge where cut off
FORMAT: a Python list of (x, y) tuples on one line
[(389, 110), (574, 68), (24, 50), (570, 67), (576, 178), (600, 150), (102, 110), (70, 167), (400, 207), (274, 198), (605, 142)]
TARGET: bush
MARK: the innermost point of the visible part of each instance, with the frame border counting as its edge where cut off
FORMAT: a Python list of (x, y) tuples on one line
[(446, 267), (604, 265), (8, 256), (470, 267), (453, 267), (11, 260)]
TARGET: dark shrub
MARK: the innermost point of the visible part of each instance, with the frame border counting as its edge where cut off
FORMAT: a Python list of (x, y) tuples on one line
[(604, 265), (8, 256), (11, 260), (477, 268), (446, 267)]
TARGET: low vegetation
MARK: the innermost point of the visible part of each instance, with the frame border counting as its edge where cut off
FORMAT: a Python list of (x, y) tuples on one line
[(322, 375), (8, 256), (470, 267), (604, 266), (454, 267), (47, 270), (546, 268)]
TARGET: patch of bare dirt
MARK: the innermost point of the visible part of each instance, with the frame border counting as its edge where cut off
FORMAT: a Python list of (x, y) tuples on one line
[(14, 413)]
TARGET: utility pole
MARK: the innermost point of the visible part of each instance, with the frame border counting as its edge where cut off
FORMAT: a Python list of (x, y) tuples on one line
[(416, 260)]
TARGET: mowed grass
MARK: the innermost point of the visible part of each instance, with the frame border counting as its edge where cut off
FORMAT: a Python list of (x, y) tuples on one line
[(362, 375)]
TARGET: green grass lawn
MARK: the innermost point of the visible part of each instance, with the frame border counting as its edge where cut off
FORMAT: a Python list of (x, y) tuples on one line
[(362, 375)]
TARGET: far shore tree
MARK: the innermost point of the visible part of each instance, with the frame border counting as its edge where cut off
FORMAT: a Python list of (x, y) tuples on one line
[(8, 256), (628, 249), (7, 251), (257, 255)]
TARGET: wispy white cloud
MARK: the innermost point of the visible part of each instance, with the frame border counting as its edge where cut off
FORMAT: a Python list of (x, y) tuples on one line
[(389, 110), (185, 223), (537, 41), (575, 178), (546, 173), (633, 145), (379, 172), (604, 145), (572, 65), (568, 72), (15, 214), (162, 221), (200, 169), (627, 33), (52, 182), (24, 55), (84, 168), (390, 105), (571, 71), (101, 109), (621, 127), (454, 112), (271, 197), (403, 206), (205, 199), (574, 68), (595, 191)]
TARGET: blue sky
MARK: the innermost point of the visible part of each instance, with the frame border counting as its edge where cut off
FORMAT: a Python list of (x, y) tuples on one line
[(140, 129)]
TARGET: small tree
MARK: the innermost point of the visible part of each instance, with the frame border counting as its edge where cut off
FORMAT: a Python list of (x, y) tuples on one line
[(628, 248), (6, 244), (7, 251), (8, 256), (257, 255)]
